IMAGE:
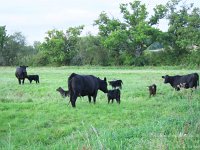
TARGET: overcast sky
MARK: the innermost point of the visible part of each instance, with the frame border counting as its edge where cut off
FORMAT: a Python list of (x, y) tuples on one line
[(35, 17)]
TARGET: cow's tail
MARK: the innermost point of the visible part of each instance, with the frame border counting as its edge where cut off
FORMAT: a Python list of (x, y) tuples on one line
[(71, 76), (70, 87), (69, 82), (197, 78)]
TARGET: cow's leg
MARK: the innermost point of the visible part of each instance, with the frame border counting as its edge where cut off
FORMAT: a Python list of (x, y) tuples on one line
[(176, 88), (118, 100), (191, 91), (23, 80), (94, 99), (19, 81), (89, 98), (70, 97), (73, 100), (108, 101)]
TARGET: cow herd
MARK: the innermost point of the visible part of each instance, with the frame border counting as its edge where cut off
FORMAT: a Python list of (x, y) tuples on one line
[(88, 85)]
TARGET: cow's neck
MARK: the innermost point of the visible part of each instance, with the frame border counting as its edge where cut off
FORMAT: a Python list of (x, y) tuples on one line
[(171, 82)]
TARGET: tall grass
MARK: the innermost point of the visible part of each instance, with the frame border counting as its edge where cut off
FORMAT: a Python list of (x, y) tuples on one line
[(35, 116)]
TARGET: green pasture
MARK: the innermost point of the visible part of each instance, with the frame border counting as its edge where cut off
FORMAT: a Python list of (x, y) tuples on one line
[(35, 116)]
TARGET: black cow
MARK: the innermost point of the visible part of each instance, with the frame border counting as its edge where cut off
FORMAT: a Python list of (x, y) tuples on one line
[(85, 85), (152, 90), (21, 73), (33, 77), (116, 83), (113, 94), (184, 81), (62, 92)]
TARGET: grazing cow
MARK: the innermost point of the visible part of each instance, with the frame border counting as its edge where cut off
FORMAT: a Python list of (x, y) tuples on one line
[(152, 90), (113, 94), (21, 73), (33, 77), (185, 81), (62, 92), (116, 83), (85, 85)]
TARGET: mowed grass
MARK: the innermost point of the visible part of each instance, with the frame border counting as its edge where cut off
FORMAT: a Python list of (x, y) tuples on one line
[(35, 116)]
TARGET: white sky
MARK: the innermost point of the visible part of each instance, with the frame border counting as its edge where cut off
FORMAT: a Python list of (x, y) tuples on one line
[(35, 17)]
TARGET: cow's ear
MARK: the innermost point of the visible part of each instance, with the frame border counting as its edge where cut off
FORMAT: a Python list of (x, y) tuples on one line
[(163, 77), (105, 79)]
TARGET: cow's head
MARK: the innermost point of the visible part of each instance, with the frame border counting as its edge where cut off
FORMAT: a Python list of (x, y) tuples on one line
[(103, 85), (166, 79), (121, 81)]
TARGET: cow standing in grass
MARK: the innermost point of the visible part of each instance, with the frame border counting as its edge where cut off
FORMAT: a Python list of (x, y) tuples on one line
[(21, 73), (85, 85), (185, 81)]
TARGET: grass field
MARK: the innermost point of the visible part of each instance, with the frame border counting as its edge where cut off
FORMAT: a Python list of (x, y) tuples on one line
[(37, 117)]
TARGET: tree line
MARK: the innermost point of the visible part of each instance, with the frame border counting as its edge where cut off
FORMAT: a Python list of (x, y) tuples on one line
[(126, 41)]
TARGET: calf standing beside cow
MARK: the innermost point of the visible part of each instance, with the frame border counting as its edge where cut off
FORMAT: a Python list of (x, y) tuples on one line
[(88, 85), (21, 74)]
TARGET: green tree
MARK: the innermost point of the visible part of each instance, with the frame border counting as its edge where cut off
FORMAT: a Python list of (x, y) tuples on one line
[(59, 46), (3, 40), (90, 52), (184, 29), (13, 48), (133, 34)]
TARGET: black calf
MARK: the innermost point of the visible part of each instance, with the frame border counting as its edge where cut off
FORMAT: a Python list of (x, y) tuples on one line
[(113, 94), (152, 90), (116, 83), (33, 77)]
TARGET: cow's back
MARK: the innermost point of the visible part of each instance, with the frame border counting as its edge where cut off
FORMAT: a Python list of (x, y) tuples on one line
[(82, 84), (191, 80)]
